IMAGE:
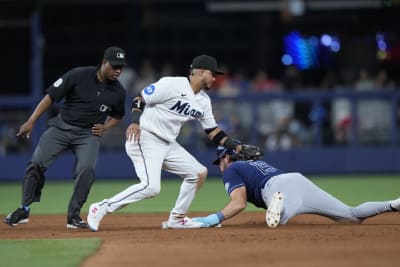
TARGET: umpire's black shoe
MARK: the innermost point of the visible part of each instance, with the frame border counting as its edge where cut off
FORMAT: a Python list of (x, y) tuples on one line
[(19, 216), (76, 222)]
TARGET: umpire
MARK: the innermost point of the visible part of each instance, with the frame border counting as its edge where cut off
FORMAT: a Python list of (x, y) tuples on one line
[(94, 102)]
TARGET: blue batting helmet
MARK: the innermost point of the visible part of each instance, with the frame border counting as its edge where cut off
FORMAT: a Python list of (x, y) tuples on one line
[(222, 151)]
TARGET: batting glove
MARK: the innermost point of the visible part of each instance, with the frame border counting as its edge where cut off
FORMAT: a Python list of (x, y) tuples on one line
[(210, 220)]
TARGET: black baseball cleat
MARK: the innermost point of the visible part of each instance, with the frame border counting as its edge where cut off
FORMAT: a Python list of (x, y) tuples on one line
[(76, 222), (19, 216)]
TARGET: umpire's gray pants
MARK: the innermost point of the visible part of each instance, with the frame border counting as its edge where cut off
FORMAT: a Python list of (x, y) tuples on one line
[(60, 137)]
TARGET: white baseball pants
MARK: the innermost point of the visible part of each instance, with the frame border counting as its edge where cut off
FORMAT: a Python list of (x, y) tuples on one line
[(150, 155)]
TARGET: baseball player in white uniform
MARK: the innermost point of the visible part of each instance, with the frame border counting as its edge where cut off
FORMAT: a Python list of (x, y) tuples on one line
[(158, 113)]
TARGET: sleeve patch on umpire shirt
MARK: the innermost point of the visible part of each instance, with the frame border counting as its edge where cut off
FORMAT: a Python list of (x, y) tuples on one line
[(58, 82), (149, 90)]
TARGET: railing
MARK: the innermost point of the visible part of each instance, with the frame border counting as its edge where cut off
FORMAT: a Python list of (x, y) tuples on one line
[(309, 131), (362, 113)]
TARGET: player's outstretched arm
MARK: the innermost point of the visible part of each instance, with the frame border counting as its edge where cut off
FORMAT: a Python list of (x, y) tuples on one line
[(236, 205), (246, 152), (219, 137)]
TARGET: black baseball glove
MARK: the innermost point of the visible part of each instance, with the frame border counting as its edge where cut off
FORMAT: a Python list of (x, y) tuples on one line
[(250, 152)]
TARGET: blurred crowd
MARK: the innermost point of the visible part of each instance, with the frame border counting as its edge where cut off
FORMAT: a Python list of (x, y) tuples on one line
[(277, 123), (261, 81), (285, 124)]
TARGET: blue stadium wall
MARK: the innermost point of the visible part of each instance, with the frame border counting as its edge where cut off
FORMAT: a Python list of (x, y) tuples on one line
[(309, 161)]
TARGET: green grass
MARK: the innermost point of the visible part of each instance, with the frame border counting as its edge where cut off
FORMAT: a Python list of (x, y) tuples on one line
[(356, 189), (55, 196), (46, 253), (350, 189), (212, 197)]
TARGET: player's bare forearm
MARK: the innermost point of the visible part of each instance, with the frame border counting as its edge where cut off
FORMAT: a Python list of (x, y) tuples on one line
[(237, 204)]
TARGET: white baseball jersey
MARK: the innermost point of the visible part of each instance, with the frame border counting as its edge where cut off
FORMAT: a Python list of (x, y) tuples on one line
[(170, 102)]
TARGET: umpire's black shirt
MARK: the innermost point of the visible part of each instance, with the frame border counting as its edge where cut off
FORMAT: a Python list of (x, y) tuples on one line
[(87, 100)]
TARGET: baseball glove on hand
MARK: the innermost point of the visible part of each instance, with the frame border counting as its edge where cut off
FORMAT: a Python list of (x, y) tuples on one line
[(250, 152)]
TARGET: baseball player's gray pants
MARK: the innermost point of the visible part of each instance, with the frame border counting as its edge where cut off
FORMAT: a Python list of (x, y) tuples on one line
[(303, 196), (60, 137)]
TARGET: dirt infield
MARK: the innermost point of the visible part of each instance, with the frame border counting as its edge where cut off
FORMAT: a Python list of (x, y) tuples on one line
[(307, 240)]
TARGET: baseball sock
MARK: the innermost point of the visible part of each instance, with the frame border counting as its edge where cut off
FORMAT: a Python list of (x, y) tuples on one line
[(185, 198)]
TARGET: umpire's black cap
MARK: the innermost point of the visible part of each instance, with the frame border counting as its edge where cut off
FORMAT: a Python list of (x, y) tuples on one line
[(206, 62), (115, 55)]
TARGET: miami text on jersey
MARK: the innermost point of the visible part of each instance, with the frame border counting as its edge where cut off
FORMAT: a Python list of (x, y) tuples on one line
[(184, 108)]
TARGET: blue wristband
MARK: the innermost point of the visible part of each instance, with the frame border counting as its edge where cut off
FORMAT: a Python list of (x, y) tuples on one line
[(221, 216)]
